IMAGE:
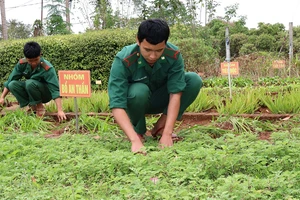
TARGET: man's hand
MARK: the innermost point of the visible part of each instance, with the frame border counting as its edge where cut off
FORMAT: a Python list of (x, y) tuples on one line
[(137, 146), (2, 101), (166, 141), (61, 116)]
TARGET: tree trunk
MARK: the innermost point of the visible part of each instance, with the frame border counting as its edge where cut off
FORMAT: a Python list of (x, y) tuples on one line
[(3, 18), (68, 14)]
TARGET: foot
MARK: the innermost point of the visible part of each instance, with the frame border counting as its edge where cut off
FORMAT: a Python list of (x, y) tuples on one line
[(32, 108), (159, 126), (40, 110), (142, 138)]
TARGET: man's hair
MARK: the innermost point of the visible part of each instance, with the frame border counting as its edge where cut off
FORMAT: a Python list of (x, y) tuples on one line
[(32, 50), (154, 31)]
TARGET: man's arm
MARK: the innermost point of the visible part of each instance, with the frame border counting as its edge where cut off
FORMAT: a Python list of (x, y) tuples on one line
[(173, 110), (60, 113), (3, 95), (123, 120)]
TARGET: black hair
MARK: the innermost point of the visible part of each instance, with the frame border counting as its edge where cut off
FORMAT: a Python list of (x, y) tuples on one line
[(32, 50), (154, 31)]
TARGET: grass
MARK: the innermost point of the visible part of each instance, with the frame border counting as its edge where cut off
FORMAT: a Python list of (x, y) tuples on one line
[(245, 100), (210, 163)]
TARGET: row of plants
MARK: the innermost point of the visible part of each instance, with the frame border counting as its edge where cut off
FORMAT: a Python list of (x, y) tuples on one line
[(210, 163), (242, 81), (246, 100)]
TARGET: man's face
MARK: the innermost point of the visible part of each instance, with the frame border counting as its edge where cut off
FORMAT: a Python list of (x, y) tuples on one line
[(150, 52), (33, 61)]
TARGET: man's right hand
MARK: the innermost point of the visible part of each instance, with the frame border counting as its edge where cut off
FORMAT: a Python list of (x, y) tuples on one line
[(2, 101)]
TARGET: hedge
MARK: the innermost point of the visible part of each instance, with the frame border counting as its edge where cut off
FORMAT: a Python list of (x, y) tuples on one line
[(92, 51)]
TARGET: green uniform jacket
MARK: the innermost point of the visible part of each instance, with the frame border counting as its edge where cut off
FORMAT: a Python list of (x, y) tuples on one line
[(44, 73), (129, 67)]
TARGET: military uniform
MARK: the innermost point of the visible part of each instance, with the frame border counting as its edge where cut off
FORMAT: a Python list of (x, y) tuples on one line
[(39, 86), (142, 89)]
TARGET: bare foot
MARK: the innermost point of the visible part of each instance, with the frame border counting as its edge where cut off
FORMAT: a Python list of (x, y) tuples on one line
[(141, 137), (159, 126), (40, 110)]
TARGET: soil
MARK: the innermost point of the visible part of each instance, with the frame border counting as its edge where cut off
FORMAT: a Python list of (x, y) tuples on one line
[(188, 120)]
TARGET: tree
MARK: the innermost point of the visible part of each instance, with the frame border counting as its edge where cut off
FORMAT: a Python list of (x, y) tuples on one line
[(103, 17), (18, 30), (210, 10), (172, 11), (68, 20), (37, 28), (231, 11), (55, 23), (3, 19)]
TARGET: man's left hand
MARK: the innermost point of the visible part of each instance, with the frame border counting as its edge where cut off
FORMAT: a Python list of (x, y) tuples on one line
[(166, 141), (61, 116)]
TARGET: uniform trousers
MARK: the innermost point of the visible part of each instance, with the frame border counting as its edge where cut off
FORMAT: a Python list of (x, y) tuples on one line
[(141, 101), (30, 92)]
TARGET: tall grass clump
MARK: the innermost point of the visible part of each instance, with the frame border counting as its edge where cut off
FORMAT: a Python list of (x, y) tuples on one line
[(21, 122), (243, 102), (282, 102)]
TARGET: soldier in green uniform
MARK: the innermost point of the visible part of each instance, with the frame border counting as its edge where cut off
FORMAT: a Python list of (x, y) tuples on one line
[(149, 78), (40, 84)]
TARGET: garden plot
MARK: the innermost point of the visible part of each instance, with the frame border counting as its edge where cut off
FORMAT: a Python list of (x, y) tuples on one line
[(222, 156)]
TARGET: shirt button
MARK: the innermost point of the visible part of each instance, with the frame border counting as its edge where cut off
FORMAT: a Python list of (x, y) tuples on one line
[(162, 57)]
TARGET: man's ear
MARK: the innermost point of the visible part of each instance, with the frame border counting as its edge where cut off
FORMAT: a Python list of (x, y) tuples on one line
[(137, 41)]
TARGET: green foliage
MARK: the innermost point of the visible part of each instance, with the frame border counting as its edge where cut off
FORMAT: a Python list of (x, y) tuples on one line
[(98, 165), (92, 51), (202, 102), (97, 103), (264, 42), (283, 102), (55, 25), (269, 29), (198, 56), (247, 48), (245, 102), (223, 82), (18, 30), (236, 43), (21, 122), (171, 11)]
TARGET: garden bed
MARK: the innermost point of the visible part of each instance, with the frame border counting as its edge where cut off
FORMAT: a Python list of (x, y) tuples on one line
[(188, 120)]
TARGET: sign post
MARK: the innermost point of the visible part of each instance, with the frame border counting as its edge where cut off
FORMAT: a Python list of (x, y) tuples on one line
[(75, 83), (227, 44)]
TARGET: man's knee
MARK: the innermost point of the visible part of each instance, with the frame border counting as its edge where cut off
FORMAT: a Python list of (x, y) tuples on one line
[(138, 94), (30, 84), (13, 85), (193, 80)]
